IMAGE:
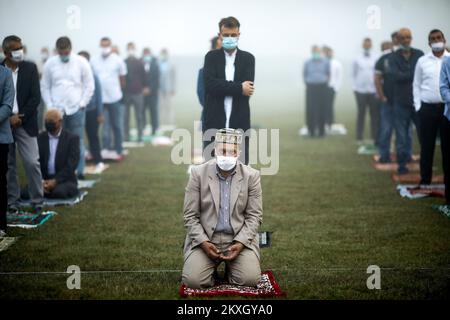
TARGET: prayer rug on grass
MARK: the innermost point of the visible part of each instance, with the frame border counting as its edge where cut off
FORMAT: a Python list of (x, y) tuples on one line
[(414, 178), (27, 220), (266, 288), (412, 191)]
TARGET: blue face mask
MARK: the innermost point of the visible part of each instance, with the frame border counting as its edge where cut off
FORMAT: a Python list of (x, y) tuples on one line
[(229, 43), (64, 59)]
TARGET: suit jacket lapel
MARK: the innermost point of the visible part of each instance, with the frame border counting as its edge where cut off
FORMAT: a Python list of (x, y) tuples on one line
[(214, 185), (237, 65), (222, 64), (235, 187)]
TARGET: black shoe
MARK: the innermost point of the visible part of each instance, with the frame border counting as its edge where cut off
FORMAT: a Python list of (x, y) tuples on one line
[(13, 209), (81, 177), (402, 170)]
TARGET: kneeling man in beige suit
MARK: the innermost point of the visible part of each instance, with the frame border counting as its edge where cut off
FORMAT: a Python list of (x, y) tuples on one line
[(222, 215)]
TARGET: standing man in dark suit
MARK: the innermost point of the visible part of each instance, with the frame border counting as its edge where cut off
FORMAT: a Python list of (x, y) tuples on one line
[(24, 124), (59, 152), (151, 91), (229, 76)]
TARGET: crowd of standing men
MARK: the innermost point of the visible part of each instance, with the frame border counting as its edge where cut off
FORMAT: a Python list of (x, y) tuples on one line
[(401, 88), (80, 95)]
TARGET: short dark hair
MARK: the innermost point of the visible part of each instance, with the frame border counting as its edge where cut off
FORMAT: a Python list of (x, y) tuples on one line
[(7, 41), (367, 39), (214, 42), (435, 31), (394, 35), (85, 54), (63, 43), (229, 22), (105, 39)]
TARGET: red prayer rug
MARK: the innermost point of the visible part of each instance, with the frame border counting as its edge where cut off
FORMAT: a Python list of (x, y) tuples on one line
[(414, 178), (266, 288)]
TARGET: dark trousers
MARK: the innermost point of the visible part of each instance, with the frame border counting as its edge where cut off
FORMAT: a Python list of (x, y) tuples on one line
[(445, 149), (3, 185), (385, 133), (404, 116), (92, 127), (316, 108), (430, 119), (151, 105), (364, 101), (244, 157), (329, 114)]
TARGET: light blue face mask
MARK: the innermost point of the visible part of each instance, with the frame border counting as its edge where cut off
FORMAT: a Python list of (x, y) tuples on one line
[(229, 43), (64, 59)]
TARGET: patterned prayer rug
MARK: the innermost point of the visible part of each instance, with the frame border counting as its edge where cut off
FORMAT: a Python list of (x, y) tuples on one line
[(414, 157), (27, 220), (443, 209), (414, 178), (58, 202), (6, 242), (412, 191), (266, 288)]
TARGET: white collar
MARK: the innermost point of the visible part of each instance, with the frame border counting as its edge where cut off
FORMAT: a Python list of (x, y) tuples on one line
[(431, 55)]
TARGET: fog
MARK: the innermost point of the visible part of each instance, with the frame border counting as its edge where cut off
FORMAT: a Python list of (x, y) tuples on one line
[(278, 33)]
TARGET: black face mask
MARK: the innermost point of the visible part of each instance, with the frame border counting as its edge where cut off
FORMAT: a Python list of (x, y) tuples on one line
[(50, 127)]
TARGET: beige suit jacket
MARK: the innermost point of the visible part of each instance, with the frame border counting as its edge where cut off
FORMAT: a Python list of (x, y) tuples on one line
[(201, 206)]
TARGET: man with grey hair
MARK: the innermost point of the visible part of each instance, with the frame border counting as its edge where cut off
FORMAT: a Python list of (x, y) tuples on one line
[(222, 215)]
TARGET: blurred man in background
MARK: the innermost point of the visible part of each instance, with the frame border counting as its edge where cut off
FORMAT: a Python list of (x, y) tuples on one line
[(216, 43), (229, 76), (167, 90), (428, 101), (364, 88), (111, 70), (316, 74), (385, 93), (151, 91), (6, 138), (68, 85), (94, 118), (24, 125), (134, 92), (334, 84), (402, 64)]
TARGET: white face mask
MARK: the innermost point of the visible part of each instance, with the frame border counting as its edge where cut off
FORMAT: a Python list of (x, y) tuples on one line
[(226, 163), (17, 55), (106, 51), (132, 52), (438, 46)]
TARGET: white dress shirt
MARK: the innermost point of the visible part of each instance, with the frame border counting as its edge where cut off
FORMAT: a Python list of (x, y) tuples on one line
[(426, 80), (336, 73), (15, 73), (67, 86), (364, 73), (109, 70), (229, 76), (53, 146)]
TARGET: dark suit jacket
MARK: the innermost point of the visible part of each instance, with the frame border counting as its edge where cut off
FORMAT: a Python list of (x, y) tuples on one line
[(152, 77), (217, 88), (66, 159), (28, 96)]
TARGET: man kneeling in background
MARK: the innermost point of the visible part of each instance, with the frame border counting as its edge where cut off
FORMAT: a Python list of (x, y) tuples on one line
[(222, 215), (59, 153)]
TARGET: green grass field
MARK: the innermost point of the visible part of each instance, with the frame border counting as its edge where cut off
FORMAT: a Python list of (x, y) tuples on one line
[(332, 216)]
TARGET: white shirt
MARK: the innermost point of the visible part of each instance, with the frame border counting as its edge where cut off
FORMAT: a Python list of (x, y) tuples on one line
[(67, 86), (426, 80), (14, 76), (109, 70), (229, 76), (53, 146), (336, 74), (364, 73)]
